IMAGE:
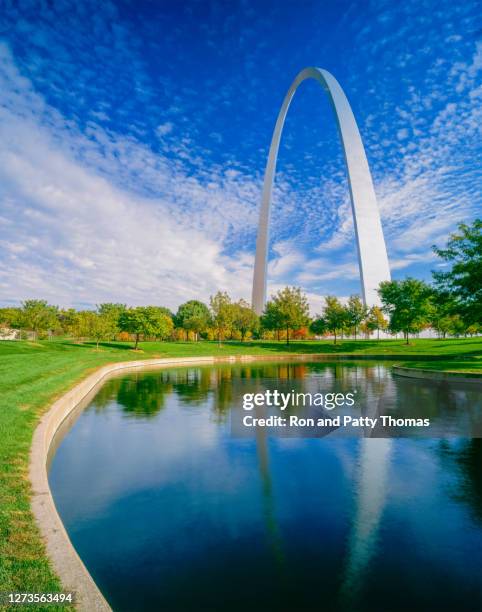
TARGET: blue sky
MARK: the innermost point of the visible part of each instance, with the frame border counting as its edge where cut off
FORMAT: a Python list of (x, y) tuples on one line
[(133, 140)]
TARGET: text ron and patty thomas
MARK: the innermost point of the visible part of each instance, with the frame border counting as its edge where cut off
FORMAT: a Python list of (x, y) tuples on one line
[(328, 401)]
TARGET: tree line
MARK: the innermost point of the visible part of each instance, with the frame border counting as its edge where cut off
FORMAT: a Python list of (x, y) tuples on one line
[(451, 304)]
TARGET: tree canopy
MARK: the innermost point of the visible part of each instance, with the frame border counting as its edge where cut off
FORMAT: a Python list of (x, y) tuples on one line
[(452, 305), (193, 316), (408, 303), (287, 310), (244, 318), (356, 313), (334, 315), (148, 321), (376, 321), (222, 314), (38, 316), (462, 284)]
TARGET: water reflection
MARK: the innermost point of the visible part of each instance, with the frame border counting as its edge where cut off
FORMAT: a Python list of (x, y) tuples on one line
[(269, 510), (464, 459), (371, 491), (197, 519), (452, 409)]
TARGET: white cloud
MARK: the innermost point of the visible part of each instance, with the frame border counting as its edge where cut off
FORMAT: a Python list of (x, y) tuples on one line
[(91, 214), (164, 129), (72, 236)]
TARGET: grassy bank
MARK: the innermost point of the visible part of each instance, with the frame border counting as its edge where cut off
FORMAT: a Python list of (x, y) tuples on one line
[(33, 374)]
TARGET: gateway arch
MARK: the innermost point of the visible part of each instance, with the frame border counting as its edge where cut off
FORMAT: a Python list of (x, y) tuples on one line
[(372, 252)]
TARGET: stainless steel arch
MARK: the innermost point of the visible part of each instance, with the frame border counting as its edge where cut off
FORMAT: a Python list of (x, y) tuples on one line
[(372, 252)]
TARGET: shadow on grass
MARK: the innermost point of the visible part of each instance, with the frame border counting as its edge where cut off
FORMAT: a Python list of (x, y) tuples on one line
[(93, 345), (363, 348), (386, 349), (122, 346), (307, 347)]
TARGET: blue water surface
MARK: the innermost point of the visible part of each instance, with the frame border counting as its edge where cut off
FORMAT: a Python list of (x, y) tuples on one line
[(170, 511)]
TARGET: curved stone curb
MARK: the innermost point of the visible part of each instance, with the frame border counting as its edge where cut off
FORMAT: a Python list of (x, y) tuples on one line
[(65, 560), (462, 377)]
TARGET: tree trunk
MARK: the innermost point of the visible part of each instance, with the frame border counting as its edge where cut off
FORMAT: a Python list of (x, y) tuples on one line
[(334, 333), (287, 335), (137, 342), (378, 333), (97, 346), (406, 337)]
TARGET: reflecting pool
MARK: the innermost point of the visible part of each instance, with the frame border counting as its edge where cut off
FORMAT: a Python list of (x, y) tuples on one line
[(171, 511)]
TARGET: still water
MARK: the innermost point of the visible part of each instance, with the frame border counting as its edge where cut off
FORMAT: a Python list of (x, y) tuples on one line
[(171, 511)]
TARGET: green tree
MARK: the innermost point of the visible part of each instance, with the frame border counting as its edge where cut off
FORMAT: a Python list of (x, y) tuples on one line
[(110, 313), (376, 320), (192, 316), (9, 320), (463, 282), (38, 316), (10, 317), (161, 321), (146, 321), (356, 313), (165, 311), (288, 310), (458, 326), (318, 326), (81, 325), (271, 320), (408, 303), (441, 315), (334, 314), (222, 313), (101, 327), (67, 318), (87, 324), (473, 329), (245, 319)]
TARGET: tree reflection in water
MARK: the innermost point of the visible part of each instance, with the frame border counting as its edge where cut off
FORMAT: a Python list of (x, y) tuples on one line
[(464, 456), (142, 396), (327, 523)]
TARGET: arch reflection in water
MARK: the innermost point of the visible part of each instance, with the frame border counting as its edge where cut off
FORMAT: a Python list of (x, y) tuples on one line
[(371, 494), (165, 501)]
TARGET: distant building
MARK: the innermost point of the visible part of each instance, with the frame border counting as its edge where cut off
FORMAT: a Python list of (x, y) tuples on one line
[(7, 333)]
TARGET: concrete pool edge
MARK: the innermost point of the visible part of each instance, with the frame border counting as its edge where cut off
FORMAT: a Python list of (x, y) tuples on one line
[(66, 562), (462, 377)]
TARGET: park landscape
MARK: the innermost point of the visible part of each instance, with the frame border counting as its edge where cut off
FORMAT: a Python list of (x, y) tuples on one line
[(57, 348), (131, 188)]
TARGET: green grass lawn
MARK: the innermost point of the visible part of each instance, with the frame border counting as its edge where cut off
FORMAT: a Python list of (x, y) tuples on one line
[(33, 374)]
